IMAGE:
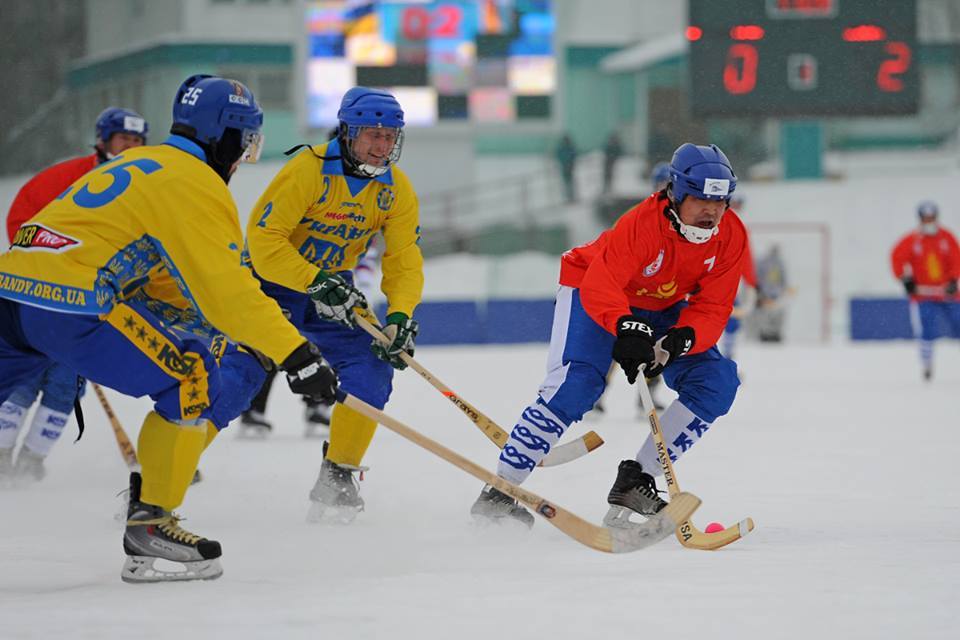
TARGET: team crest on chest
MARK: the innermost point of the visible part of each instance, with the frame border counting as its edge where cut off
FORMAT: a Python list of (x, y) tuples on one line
[(652, 268), (385, 198)]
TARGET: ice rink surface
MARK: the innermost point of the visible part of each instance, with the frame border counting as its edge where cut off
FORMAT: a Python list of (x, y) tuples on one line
[(846, 460)]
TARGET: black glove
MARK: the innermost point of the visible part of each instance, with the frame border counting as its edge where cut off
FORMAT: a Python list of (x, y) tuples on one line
[(335, 298), (677, 342), (308, 374), (950, 288), (910, 286), (634, 346), (401, 331)]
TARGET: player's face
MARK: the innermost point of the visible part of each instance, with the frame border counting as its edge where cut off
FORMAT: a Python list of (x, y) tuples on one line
[(120, 142), (705, 214), (373, 146)]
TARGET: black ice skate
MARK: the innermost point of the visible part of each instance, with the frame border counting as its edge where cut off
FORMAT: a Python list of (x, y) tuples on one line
[(316, 417), (153, 533), (634, 491), (335, 495), (253, 424), (494, 506)]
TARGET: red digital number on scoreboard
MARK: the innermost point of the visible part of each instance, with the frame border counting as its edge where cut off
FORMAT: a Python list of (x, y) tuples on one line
[(740, 70), (894, 66), (418, 23)]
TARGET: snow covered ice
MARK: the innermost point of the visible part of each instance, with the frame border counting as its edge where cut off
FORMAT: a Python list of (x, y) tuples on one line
[(844, 458)]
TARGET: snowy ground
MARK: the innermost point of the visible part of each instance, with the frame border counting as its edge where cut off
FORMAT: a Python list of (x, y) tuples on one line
[(844, 458)]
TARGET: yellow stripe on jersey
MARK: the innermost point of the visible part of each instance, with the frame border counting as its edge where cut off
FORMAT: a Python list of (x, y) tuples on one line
[(312, 217), (188, 369)]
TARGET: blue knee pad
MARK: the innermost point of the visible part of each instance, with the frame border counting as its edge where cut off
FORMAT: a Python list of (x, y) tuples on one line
[(59, 386), (580, 390), (241, 377), (706, 383)]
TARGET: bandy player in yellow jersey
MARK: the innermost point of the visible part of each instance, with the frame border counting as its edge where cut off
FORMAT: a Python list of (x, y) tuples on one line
[(305, 236), (106, 277)]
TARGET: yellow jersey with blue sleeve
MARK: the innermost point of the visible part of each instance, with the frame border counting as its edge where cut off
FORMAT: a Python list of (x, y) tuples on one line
[(313, 217), (153, 224)]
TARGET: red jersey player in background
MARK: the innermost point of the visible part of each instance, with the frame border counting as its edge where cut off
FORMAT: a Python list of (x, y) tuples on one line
[(746, 296), (927, 262), (117, 130), (655, 292)]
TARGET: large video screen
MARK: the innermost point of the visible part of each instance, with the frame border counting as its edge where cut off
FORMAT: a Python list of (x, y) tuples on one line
[(477, 61)]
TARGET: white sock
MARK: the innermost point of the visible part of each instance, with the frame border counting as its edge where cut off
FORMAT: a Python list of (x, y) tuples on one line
[(12, 417), (681, 430), (535, 433), (45, 429)]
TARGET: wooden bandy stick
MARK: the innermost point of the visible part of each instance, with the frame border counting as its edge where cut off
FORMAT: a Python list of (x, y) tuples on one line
[(123, 441), (559, 455), (688, 534)]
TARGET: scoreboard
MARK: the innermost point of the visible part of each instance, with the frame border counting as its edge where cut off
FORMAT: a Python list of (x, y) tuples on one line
[(803, 57)]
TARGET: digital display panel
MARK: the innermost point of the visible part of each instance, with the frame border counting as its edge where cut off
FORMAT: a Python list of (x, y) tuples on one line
[(803, 58), (477, 61)]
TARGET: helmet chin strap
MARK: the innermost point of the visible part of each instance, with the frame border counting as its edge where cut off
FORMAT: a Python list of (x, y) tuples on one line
[(690, 233)]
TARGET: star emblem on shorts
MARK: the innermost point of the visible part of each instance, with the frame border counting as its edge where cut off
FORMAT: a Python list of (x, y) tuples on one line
[(153, 344), (193, 394), (129, 322), (141, 333)]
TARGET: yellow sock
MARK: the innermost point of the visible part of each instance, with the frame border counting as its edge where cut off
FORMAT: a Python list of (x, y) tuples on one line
[(350, 435), (168, 455), (212, 432)]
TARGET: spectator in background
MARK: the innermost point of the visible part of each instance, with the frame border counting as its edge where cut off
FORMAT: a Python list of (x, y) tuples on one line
[(772, 292), (612, 151), (927, 262), (566, 155)]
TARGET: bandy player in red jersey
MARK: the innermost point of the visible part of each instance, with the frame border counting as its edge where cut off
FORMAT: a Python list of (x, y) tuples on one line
[(654, 291), (927, 262)]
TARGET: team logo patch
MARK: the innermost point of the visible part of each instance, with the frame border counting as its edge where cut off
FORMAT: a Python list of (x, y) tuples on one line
[(652, 268), (716, 187), (385, 199), (38, 237)]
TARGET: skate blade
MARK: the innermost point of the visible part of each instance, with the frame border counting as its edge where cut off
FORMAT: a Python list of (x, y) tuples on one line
[(320, 513), (142, 569), (619, 518), (252, 432)]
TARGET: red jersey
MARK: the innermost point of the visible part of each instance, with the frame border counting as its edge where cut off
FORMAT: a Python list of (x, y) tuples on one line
[(643, 262), (931, 260), (42, 188), (749, 269)]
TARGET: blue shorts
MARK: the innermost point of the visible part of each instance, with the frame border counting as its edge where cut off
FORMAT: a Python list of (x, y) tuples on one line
[(361, 373), (132, 352), (581, 354)]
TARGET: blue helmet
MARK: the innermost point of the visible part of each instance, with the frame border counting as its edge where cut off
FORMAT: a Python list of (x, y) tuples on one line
[(116, 120), (360, 108), (702, 172), (220, 114), (660, 175), (928, 209)]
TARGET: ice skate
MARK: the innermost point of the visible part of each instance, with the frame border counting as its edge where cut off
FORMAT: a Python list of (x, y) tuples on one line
[(495, 507), (254, 426), (152, 534), (634, 491), (316, 416), (28, 468), (335, 496)]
